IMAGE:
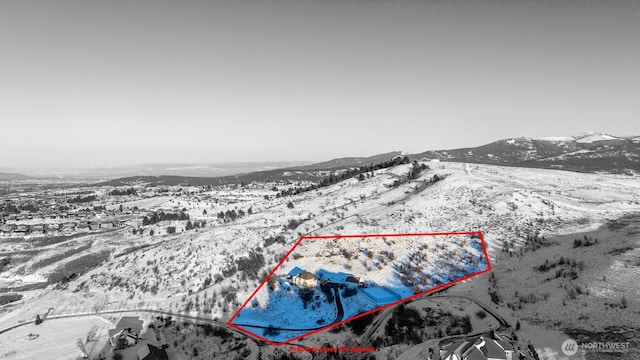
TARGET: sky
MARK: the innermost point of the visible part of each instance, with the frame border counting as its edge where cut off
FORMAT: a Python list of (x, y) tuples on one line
[(112, 83)]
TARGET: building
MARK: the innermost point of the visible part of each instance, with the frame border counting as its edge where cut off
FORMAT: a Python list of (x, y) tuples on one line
[(294, 272), (380, 295), (489, 346), (123, 339), (306, 279), (353, 282), (126, 332)]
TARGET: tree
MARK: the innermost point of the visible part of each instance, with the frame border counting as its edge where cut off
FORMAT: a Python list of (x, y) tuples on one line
[(80, 344), (189, 225), (195, 352), (204, 212), (151, 232), (145, 221), (290, 205)]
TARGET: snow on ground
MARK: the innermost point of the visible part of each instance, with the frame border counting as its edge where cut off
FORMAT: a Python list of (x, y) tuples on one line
[(505, 203), (284, 308), (149, 203), (356, 304), (393, 268), (54, 339), (595, 137), (556, 138), (425, 261)]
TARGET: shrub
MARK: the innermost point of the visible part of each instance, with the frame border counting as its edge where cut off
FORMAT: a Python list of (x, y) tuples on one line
[(274, 239), (271, 331), (349, 292), (9, 298), (293, 224), (72, 269), (359, 326), (306, 295), (251, 265), (57, 257)]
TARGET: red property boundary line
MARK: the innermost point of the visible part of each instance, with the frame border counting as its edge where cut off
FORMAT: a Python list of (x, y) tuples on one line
[(439, 287)]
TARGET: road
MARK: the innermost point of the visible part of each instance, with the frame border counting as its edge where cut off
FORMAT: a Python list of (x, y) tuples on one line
[(382, 316), (338, 305)]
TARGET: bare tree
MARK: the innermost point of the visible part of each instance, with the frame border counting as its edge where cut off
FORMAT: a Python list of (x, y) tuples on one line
[(91, 335), (81, 345)]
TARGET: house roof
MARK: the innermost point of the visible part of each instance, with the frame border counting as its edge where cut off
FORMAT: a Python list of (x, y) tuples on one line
[(130, 322), (451, 347), (505, 345), (151, 352), (295, 271), (493, 350), (475, 354), (308, 276), (115, 334)]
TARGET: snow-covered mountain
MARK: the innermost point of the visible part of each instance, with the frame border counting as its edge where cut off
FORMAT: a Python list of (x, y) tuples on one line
[(589, 152)]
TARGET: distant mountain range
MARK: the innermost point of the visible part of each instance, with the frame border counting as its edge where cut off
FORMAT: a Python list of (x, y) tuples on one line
[(588, 152), (311, 172), (172, 169), (12, 176)]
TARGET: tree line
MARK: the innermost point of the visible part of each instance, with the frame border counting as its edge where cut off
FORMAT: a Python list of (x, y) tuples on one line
[(231, 215), (160, 216), (120, 192), (347, 174)]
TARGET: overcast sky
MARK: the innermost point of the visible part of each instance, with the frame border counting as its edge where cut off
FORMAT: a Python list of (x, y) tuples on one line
[(102, 83)]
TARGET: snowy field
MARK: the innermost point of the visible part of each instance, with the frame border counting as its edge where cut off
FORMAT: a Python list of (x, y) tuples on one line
[(404, 264), (284, 308), (393, 268), (54, 339)]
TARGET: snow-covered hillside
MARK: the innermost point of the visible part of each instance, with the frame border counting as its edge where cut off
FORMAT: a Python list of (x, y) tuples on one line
[(170, 271)]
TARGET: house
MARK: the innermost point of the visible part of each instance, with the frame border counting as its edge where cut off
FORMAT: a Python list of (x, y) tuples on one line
[(151, 352), (306, 279), (489, 346), (353, 282), (126, 332), (38, 229), (294, 272), (123, 338)]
